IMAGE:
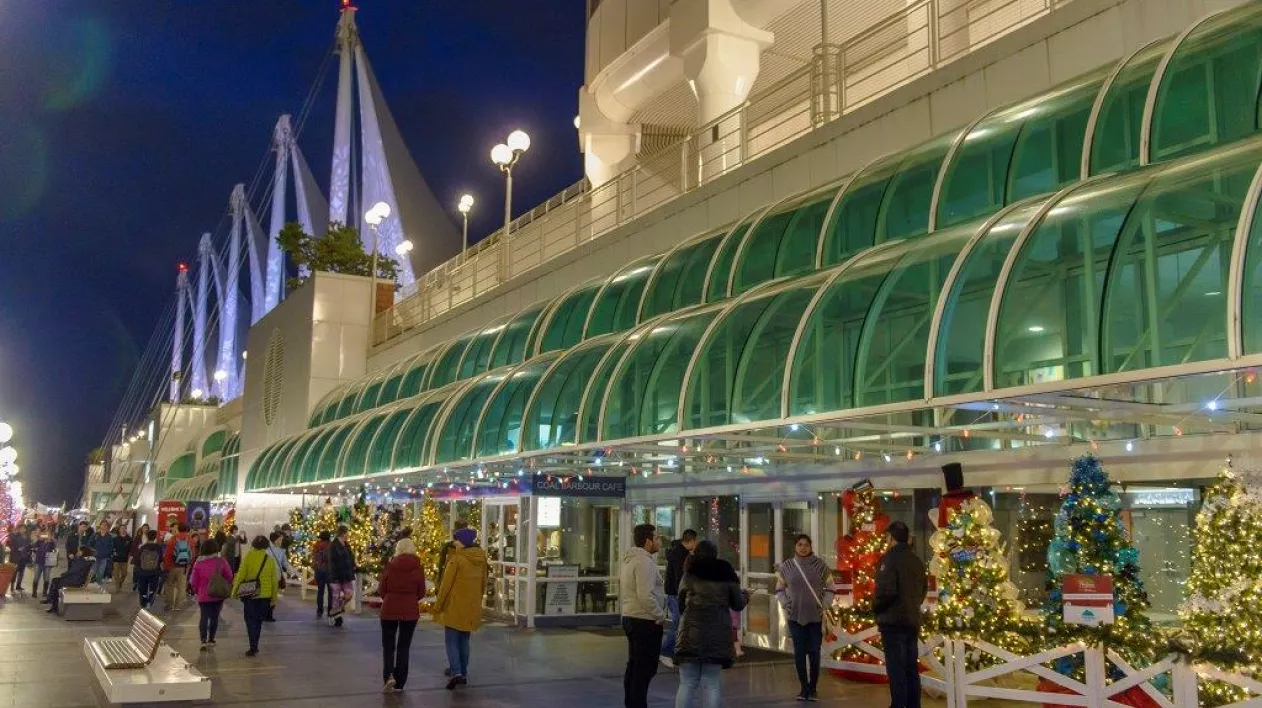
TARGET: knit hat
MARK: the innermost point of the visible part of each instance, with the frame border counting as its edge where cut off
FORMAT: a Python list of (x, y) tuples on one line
[(466, 537), (405, 546)]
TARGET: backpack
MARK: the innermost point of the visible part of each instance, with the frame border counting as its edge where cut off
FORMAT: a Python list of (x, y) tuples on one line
[(150, 560), (181, 552), (322, 559)]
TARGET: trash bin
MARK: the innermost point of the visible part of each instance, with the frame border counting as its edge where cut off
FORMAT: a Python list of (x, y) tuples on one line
[(7, 571)]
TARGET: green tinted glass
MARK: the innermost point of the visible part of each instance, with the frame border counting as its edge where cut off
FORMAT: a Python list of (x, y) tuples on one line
[(553, 416), (679, 280), (1115, 142), (512, 345), (500, 430), (618, 303)]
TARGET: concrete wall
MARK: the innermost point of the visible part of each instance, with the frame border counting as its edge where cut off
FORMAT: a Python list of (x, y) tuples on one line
[(616, 25), (1077, 38)]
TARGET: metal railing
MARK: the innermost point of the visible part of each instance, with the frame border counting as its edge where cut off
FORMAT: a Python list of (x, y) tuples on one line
[(892, 52)]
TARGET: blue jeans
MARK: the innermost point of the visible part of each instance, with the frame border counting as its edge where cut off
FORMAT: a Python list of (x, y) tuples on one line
[(101, 570), (672, 631), (147, 585), (42, 572), (902, 665), (322, 586), (700, 686), (807, 639), (457, 651)]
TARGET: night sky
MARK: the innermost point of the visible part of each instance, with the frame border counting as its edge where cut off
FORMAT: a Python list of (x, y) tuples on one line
[(124, 125)]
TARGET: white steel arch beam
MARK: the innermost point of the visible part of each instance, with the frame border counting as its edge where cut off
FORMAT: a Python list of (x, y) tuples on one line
[(1236, 274), (945, 167), (1154, 87), (1088, 135)]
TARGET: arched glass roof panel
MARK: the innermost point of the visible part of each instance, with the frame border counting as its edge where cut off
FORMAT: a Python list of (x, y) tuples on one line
[(594, 393), (254, 477), (499, 432), (182, 467), (894, 345), (962, 330), (1166, 293), (1208, 94), (1032, 147), (783, 242), (325, 408), (1251, 288), (1119, 120), (389, 392), (354, 462), (454, 440), (446, 368), (346, 406), (643, 394), (565, 323), (513, 344), (551, 419), (381, 448), (1048, 324), (618, 302), (306, 469), (908, 199), (326, 467), (852, 227), (679, 280), (214, 442), (719, 270), (477, 358), (273, 474), (416, 371), (290, 472), (412, 441), (738, 371), (372, 391)]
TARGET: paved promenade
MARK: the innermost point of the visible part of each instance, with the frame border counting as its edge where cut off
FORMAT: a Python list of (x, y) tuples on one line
[(304, 664)]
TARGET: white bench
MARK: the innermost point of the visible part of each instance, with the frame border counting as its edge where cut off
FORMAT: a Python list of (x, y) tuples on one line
[(85, 603), (160, 675)]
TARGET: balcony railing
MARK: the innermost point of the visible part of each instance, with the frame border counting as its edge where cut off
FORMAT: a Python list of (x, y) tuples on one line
[(894, 51)]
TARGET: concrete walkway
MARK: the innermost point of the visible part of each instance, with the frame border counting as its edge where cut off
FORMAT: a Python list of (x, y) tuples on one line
[(305, 664)]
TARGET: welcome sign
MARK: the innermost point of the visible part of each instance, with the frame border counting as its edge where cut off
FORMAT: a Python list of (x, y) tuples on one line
[(557, 486), (1088, 599)]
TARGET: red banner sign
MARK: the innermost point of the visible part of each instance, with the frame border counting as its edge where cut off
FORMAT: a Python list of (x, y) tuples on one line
[(168, 508)]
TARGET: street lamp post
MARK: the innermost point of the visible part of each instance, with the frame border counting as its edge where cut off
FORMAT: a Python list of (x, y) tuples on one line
[(464, 207), (505, 156), (373, 217)]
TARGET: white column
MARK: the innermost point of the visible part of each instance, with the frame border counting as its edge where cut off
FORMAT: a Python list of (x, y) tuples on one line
[(204, 253), (275, 287), (529, 533), (177, 341), (608, 146), (340, 180), (721, 55)]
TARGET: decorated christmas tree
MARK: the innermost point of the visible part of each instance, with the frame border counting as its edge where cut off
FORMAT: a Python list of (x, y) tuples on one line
[(1223, 613), (430, 533), (9, 511), (976, 599), (1091, 540), (359, 518)]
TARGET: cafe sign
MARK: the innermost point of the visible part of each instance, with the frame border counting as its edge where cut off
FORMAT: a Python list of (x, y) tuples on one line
[(546, 485)]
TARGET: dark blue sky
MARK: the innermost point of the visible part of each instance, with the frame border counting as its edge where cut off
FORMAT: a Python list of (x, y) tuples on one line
[(124, 125)]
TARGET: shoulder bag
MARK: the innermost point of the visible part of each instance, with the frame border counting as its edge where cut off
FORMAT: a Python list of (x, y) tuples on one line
[(219, 587), (830, 625), (249, 589)]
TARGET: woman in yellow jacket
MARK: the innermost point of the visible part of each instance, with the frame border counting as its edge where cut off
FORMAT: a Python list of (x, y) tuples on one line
[(458, 606), (258, 569)]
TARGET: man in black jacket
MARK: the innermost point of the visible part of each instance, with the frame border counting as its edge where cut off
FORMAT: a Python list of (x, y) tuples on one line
[(676, 556), (76, 575), (341, 574), (900, 590)]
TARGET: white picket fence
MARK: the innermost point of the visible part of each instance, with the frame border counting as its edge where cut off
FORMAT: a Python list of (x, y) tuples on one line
[(949, 674)]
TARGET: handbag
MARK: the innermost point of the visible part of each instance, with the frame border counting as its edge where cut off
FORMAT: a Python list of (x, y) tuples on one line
[(830, 625), (50, 559), (219, 586), (249, 589)]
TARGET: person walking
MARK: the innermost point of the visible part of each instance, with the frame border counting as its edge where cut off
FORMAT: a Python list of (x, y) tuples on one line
[(709, 593), (320, 567), (900, 589), (232, 548), (19, 554), (45, 559), (149, 568), (341, 575), (458, 606), (402, 587), (175, 559), (803, 589), (211, 579), (644, 614), (121, 557), (676, 555), (79, 535), (138, 540), (103, 549), (257, 587), (282, 563)]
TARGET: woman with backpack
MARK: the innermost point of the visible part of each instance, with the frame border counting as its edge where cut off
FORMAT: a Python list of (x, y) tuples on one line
[(709, 592), (149, 568), (257, 586), (320, 564), (212, 581)]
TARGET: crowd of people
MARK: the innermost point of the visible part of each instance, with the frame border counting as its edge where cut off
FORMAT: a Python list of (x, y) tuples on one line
[(687, 618)]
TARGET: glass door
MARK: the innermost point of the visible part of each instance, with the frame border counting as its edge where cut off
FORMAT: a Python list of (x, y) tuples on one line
[(499, 534)]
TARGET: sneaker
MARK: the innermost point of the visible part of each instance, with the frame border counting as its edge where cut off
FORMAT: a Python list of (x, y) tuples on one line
[(252, 652), (211, 643), (447, 672), (389, 687), (668, 662), (205, 646), (338, 621), (455, 681), (812, 697), (803, 696)]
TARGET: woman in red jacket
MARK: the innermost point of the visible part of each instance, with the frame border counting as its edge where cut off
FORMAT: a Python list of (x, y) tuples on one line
[(402, 588)]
